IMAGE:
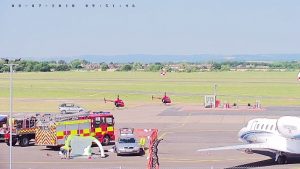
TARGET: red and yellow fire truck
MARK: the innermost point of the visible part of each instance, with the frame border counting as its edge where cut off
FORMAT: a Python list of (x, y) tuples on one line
[(23, 129), (53, 130), (3, 123)]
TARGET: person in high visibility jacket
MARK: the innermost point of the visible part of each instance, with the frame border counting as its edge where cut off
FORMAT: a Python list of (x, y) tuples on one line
[(142, 142), (66, 149)]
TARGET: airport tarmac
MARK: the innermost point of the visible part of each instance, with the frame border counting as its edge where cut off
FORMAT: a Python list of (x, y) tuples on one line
[(184, 129)]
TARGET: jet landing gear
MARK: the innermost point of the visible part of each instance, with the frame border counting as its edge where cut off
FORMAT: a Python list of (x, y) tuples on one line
[(248, 151), (280, 158)]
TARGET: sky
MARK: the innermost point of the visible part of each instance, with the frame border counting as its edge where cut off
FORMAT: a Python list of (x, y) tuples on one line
[(153, 27)]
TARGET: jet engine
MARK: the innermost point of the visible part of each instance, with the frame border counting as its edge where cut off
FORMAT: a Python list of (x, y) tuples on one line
[(289, 127)]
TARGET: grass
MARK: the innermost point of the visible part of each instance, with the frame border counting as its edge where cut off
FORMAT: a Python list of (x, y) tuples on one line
[(45, 90)]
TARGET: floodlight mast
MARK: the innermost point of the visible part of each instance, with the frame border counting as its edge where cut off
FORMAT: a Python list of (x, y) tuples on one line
[(10, 109), (215, 89)]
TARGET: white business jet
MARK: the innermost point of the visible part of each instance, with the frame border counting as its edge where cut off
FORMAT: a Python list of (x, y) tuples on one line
[(280, 136)]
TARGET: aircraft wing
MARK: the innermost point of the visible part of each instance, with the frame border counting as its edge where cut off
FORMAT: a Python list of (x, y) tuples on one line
[(257, 146)]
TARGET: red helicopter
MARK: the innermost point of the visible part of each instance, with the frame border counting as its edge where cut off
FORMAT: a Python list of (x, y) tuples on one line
[(165, 99), (118, 102)]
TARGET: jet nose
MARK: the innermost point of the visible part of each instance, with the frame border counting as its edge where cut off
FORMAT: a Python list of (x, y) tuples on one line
[(242, 132)]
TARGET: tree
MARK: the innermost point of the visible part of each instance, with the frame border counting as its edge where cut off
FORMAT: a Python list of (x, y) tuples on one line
[(76, 64), (21, 66), (126, 67), (62, 68), (37, 67), (45, 67), (155, 67), (61, 62), (216, 66), (1, 67), (85, 62), (104, 67), (225, 68), (137, 66), (30, 65)]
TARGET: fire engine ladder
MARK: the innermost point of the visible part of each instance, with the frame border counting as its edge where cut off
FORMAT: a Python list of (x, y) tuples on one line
[(48, 119), (66, 117)]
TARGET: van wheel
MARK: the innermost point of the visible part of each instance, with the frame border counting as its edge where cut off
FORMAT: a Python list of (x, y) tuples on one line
[(24, 141)]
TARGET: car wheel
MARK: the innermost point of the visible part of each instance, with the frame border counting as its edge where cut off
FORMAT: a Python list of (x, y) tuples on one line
[(63, 112), (142, 152)]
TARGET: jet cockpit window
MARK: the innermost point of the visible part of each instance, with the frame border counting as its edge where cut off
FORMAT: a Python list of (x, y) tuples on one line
[(267, 126), (262, 126), (253, 126), (257, 126), (271, 127)]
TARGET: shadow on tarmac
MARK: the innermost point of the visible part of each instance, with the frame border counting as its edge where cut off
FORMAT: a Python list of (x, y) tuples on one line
[(266, 163)]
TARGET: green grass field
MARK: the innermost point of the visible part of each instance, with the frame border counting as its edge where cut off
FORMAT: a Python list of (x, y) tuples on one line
[(32, 90)]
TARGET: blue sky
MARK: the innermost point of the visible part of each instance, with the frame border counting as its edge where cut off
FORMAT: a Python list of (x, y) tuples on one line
[(156, 27)]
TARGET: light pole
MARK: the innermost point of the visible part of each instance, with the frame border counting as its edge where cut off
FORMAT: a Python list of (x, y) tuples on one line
[(10, 111), (215, 89)]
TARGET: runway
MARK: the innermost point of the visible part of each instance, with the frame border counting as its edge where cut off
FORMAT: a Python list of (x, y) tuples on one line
[(184, 128)]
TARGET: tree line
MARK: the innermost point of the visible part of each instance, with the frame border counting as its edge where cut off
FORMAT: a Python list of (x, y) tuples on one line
[(61, 65)]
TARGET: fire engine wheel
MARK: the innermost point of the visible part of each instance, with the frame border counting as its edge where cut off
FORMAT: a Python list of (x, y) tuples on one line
[(14, 142), (106, 140), (24, 141)]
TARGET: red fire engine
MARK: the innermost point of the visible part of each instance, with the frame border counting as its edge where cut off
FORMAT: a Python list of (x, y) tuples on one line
[(23, 129), (3, 123), (53, 130)]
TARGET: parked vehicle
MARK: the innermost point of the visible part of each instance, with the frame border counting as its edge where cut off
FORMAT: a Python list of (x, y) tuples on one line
[(54, 130), (3, 123), (70, 108), (23, 130), (127, 143)]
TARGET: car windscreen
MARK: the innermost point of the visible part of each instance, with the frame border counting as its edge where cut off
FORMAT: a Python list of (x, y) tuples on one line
[(127, 140)]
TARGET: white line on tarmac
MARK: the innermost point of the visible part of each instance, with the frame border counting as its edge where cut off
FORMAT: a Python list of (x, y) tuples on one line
[(182, 124), (64, 162), (161, 159)]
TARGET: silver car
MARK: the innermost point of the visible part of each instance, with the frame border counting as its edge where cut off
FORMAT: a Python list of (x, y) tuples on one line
[(128, 144), (70, 108)]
